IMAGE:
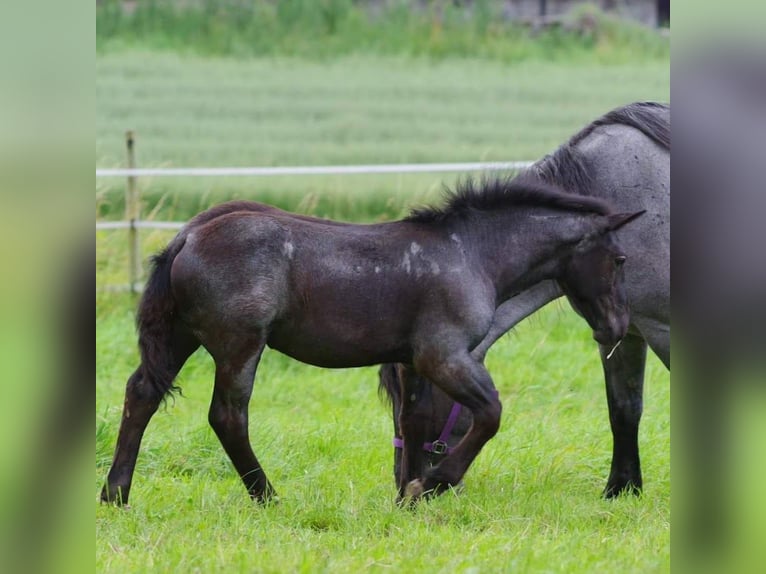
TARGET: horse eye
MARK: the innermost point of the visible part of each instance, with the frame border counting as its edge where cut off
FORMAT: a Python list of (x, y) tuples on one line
[(619, 260)]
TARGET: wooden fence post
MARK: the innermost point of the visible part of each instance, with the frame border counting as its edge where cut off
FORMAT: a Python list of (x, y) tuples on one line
[(133, 214)]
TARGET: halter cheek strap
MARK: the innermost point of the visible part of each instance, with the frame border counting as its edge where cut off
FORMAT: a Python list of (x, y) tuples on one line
[(439, 446)]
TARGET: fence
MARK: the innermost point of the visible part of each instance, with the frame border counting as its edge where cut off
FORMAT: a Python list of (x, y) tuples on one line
[(133, 221)]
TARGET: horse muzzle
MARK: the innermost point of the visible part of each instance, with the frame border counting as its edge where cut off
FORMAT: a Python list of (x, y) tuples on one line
[(611, 334)]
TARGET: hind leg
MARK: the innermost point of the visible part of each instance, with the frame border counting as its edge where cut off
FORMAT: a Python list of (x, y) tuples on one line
[(228, 415), (624, 373), (141, 402)]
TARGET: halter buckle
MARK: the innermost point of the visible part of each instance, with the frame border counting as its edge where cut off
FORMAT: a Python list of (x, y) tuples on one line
[(439, 447)]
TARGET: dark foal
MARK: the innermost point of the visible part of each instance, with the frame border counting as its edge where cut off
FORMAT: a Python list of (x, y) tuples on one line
[(623, 157), (243, 275)]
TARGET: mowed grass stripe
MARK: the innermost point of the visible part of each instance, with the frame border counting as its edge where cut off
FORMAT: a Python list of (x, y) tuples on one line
[(396, 110)]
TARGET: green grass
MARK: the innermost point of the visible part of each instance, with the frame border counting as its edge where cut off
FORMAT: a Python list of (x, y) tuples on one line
[(191, 111), (323, 29), (531, 502)]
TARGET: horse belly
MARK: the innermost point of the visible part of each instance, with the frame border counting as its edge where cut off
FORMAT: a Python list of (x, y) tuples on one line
[(338, 344)]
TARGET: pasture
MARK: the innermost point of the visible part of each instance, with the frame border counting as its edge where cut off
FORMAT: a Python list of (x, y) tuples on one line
[(531, 501)]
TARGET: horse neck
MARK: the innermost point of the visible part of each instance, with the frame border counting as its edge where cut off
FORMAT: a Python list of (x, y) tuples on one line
[(522, 247)]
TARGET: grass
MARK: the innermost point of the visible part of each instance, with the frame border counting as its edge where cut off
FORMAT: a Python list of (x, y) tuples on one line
[(531, 502), (191, 111), (324, 29)]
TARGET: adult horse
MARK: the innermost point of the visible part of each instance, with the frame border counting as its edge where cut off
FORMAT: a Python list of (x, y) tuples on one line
[(420, 291), (623, 157)]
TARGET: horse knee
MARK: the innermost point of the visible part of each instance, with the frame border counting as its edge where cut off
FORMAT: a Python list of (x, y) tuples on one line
[(218, 418), (487, 419), (139, 395), (226, 421)]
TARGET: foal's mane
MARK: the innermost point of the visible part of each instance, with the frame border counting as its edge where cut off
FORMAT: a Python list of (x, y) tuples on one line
[(491, 193), (566, 166)]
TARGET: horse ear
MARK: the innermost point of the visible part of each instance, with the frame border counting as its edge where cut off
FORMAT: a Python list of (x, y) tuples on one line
[(617, 220)]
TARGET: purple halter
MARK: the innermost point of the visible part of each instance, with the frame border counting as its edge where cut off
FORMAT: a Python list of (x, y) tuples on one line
[(439, 446)]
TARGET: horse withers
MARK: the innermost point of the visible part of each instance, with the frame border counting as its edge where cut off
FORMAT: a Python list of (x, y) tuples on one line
[(623, 157), (421, 291)]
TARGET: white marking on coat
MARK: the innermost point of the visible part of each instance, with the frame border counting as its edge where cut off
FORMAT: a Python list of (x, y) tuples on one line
[(288, 249), (406, 265)]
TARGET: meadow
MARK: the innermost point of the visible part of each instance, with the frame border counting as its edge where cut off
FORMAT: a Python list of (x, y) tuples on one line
[(531, 501), (193, 111)]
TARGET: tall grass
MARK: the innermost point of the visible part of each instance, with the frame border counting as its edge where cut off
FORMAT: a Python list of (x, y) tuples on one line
[(327, 28)]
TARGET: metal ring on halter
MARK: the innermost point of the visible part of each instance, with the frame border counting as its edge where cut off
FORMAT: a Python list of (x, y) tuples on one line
[(439, 447)]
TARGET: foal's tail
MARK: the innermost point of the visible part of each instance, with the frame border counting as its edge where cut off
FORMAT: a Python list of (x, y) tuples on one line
[(388, 382), (156, 319)]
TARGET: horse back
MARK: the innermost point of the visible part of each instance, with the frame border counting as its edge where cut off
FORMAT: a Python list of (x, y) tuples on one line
[(330, 295)]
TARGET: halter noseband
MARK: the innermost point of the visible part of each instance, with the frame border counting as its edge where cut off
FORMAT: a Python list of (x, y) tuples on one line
[(439, 446)]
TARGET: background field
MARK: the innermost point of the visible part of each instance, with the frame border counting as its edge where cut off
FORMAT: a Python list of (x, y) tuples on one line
[(531, 502)]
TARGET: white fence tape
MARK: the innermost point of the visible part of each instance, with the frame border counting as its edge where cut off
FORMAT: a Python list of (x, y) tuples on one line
[(140, 224), (310, 170), (295, 170)]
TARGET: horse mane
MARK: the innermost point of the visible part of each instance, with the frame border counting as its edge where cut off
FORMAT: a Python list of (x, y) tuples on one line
[(498, 192), (566, 166), (646, 117)]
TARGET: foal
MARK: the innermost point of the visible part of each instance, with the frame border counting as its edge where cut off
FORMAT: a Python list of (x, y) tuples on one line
[(322, 292)]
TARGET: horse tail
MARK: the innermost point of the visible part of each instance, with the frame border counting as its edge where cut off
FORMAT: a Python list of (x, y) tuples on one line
[(388, 383), (155, 321)]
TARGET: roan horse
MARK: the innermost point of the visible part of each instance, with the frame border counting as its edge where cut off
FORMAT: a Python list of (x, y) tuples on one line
[(420, 291), (623, 157)]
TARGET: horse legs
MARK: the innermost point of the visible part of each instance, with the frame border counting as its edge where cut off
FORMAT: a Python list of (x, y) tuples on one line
[(229, 419), (624, 374), (141, 402), (414, 416), (466, 381)]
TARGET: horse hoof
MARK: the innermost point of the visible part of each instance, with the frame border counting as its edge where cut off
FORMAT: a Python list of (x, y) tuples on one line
[(267, 501), (114, 497), (116, 503), (626, 488)]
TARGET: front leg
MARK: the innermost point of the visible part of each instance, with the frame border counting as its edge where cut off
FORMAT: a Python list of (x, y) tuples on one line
[(466, 381), (624, 374), (414, 418)]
